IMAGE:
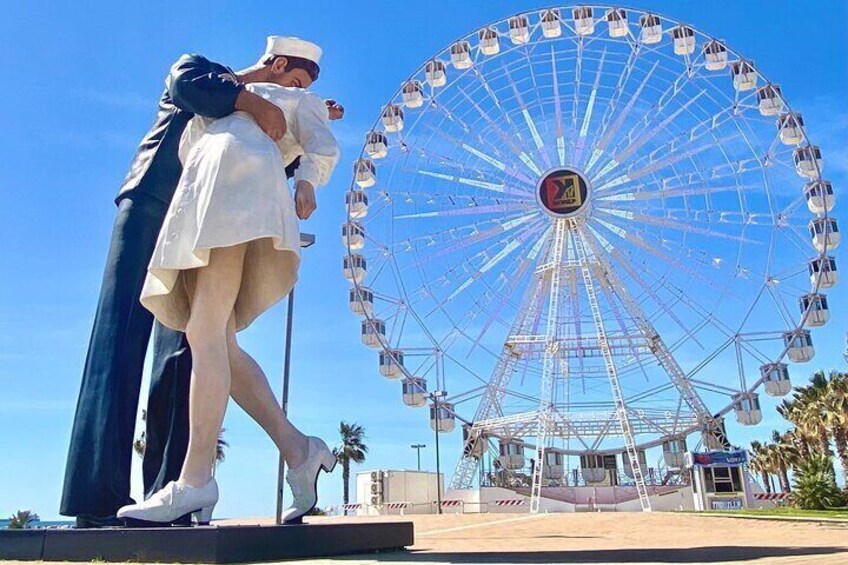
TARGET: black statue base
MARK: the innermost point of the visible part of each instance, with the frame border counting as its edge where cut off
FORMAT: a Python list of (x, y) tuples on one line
[(206, 544)]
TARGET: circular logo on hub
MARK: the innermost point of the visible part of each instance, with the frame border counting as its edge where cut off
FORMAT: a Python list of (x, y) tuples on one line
[(562, 192)]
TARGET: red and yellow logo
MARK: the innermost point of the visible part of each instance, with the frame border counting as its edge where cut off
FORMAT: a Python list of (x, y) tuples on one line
[(563, 192)]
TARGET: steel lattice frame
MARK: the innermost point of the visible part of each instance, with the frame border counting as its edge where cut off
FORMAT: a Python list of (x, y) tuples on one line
[(615, 330)]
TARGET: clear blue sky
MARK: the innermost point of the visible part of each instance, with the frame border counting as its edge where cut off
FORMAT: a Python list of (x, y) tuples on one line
[(81, 89)]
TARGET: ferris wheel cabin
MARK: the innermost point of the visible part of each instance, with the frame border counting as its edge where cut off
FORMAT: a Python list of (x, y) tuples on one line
[(460, 53), (376, 145), (776, 379), (584, 20), (683, 38), (392, 118), (551, 25), (825, 234), (592, 468), (414, 391), (353, 235), (819, 196), (747, 409), (554, 467), (674, 452), (361, 301), (823, 272), (791, 128), (519, 30), (799, 344), (357, 204), (814, 307), (391, 363), (365, 173), (641, 456), (744, 75), (435, 73), (489, 42), (442, 419), (412, 94), (769, 100), (715, 56), (808, 161), (617, 20), (354, 268), (373, 332), (650, 29), (511, 454)]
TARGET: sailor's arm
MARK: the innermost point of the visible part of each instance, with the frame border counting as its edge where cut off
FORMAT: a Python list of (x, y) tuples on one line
[(202, 87)]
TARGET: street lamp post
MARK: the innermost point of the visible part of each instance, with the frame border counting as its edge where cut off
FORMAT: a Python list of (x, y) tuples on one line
[(418, 447), (306, 240), (435, 396)]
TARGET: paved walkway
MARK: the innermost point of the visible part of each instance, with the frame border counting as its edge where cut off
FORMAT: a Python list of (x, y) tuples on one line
[(607, 538), (614, 538)]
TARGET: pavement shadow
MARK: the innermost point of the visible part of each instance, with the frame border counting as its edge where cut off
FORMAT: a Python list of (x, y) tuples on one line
[(711, 554)]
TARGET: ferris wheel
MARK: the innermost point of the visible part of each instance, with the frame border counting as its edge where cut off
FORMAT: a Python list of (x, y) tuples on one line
[(588, 231)]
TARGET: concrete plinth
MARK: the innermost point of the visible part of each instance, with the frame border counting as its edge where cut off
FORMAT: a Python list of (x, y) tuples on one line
[(208, 544)]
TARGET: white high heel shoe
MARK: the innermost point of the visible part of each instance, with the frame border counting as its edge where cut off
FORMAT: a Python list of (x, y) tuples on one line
[(173, 503), (203, 516), (304, 480)]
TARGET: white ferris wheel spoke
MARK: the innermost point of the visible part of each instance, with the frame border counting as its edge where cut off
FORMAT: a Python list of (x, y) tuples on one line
[(607, 135), (531, 125), (560, 134), (522, 155), (587, 115)]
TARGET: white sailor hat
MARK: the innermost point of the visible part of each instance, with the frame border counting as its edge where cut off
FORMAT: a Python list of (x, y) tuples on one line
[(292, 47)]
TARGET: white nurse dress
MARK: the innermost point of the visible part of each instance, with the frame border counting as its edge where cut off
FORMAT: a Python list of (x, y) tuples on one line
[(234, 190)]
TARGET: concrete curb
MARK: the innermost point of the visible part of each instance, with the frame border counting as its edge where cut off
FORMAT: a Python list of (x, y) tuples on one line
[(776, 518)]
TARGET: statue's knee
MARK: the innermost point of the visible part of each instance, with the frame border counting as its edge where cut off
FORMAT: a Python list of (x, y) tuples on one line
[(203, 332)]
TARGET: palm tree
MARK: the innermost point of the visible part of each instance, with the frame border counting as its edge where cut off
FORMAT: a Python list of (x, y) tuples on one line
[(140, 443), (759, 463), (806, 412), (783, 455), (834, 404), (220, 455), (791, 411), (21, 519), (351, 450), (813, 420)]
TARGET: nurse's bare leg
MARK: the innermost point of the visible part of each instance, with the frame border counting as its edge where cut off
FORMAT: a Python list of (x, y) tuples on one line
[(216, 288), (250, 389)]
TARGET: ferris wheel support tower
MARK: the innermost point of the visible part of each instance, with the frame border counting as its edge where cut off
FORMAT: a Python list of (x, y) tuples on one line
[(615, 386)]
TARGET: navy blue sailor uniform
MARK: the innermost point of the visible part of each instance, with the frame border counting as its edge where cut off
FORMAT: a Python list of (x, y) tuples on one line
[(97, 474)]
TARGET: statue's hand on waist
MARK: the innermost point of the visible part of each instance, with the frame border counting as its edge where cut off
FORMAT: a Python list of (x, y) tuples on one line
[(304, 199)]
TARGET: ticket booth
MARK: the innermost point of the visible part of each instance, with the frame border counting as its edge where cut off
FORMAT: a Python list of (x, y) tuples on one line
[(719, 479)]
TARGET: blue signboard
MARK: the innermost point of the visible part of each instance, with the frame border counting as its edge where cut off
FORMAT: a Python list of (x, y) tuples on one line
[(723, 458)]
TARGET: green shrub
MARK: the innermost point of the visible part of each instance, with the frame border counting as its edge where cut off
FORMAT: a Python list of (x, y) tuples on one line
[(815, 484)]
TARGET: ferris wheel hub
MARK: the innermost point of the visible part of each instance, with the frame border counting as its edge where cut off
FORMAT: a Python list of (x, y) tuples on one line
[(563, 192)]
